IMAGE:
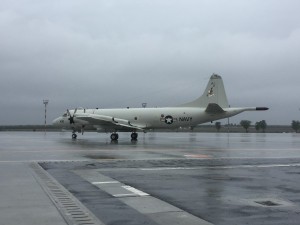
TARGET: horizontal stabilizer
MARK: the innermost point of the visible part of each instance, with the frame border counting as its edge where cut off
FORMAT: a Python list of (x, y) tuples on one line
[(214, 108)]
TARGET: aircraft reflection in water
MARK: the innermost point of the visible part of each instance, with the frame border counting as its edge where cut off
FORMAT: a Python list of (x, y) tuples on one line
[(212, 105)]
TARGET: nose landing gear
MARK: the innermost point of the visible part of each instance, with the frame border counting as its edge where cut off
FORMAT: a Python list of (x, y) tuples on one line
[(74, 136)]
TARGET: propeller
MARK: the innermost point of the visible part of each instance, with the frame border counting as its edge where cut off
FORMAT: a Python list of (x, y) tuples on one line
[(71, 118)]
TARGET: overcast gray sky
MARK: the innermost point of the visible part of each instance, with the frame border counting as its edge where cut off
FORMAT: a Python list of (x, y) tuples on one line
[(110, 54)]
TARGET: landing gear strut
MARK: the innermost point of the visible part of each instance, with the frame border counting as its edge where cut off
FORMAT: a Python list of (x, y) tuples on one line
[(114, 136)]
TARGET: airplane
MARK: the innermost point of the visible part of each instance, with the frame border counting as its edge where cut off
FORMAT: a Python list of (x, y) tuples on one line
[(211, 106)]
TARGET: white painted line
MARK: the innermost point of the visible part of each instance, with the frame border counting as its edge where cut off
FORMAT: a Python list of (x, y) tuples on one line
[(124, 195), (222, 167), (40, 161), (198, 156), (135, 191), (106, 182), (171, 168)]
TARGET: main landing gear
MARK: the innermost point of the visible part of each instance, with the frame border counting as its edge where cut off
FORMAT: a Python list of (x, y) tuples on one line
[(115, 136), (134, 136)]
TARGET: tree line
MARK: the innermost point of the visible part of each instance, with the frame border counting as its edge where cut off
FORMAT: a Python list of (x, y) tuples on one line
[(260, 125), (296, 125)]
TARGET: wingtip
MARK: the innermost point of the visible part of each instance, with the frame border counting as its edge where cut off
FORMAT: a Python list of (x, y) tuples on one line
[(262, 108)]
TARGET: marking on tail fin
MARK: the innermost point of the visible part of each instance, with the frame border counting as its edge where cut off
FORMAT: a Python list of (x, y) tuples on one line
[(210, 92)]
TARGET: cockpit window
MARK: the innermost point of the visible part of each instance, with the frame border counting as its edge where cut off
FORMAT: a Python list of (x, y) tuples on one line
[(65, 114)]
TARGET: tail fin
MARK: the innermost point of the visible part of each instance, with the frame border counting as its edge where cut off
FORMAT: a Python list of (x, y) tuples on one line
[(214, 93)]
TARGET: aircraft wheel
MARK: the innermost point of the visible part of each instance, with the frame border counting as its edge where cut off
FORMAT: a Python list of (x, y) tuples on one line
[(74, 136), (114, 136), (134, 136)]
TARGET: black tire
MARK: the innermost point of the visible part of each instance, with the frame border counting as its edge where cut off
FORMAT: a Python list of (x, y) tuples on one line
[(134, 136), (114, 137), (74, 136)]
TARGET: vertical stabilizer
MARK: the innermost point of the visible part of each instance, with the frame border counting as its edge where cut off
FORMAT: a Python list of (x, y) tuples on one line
[(214, 93)]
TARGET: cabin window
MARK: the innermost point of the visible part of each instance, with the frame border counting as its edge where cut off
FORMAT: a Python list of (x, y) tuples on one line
[(135, 118)]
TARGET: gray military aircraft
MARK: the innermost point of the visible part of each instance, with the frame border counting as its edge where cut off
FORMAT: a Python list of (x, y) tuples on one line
[(212, 105)]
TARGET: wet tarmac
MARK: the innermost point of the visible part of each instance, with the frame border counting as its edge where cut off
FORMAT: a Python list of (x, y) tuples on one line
[(163, 178)]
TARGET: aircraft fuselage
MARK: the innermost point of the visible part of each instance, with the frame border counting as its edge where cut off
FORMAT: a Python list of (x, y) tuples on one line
[(151, 118)]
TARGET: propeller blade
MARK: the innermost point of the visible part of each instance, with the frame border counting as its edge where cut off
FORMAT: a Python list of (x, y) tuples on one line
[(71, 118), (68, 112)]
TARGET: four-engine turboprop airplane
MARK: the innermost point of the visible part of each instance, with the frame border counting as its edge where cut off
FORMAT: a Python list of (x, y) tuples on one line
[(212, 105)]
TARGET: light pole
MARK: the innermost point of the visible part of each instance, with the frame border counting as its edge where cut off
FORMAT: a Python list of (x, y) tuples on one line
[(45, 102), (228, 123)]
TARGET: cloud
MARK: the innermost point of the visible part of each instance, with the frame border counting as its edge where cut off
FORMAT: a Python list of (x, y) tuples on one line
[(118, 54)]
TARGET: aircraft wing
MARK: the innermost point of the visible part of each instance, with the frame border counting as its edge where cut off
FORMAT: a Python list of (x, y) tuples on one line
[(95, 119)]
